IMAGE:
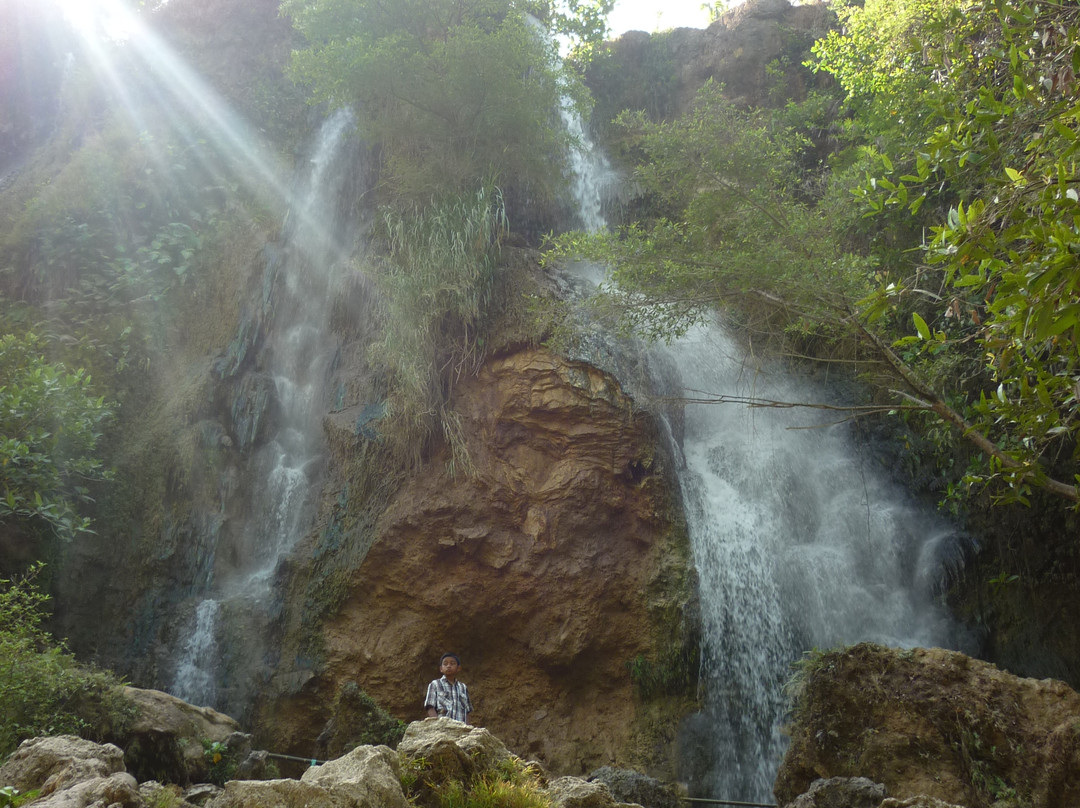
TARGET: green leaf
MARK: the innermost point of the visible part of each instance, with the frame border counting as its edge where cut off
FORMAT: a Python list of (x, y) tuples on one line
[(920, 326)]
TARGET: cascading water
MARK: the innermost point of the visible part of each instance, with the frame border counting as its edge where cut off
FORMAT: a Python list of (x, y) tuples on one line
[(192, 676), (799, 543), (291, 379)]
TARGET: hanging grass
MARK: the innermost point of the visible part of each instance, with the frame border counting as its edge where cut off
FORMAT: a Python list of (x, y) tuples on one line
[(436, 286)]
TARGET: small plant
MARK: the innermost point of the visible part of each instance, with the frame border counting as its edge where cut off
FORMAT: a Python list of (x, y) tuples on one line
[(164, 797), (43, 691), (221, 762), (1002, 580), (511, 784), (411, 770), (11, 797)]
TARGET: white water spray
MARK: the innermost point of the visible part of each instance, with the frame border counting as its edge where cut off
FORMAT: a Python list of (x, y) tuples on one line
[(193, 680), (296, 356), (799, 543)]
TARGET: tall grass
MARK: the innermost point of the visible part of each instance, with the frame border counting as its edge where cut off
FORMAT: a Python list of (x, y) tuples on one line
[(436, 286)]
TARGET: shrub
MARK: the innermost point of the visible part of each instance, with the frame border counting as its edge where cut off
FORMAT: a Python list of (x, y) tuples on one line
[(43, 691)]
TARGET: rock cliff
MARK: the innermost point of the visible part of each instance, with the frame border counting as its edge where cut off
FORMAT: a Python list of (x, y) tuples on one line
[(557, 567), (549, 569)]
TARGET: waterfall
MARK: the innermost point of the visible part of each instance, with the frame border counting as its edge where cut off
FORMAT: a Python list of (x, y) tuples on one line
[(799, 540), (291, 378), (194, 681)]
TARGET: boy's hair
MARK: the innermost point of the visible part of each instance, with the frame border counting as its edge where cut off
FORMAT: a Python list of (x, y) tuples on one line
[(456, 658)]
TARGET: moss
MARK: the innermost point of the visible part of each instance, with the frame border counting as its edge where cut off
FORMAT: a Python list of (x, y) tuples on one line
[(357, 720)]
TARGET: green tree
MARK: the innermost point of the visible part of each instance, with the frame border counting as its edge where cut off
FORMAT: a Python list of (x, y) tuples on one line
[(730, 225), (451, 93), (50, 423), (961, 123), (996, 160)]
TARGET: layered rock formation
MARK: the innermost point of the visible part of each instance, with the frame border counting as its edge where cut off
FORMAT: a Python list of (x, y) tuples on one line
[(755, 50), (549, 568)]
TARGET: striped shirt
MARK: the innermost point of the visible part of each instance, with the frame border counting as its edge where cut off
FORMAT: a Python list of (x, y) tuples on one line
[(450, 699)]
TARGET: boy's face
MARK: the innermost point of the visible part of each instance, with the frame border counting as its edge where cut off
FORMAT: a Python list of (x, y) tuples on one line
[(449, 668)]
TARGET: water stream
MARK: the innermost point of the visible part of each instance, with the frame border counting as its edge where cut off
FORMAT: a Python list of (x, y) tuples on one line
[(292, 377), (800, 539)]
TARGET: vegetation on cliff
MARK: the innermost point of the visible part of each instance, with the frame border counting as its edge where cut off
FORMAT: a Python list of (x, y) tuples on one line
[(50, 423), (936, 246), (454, 95)]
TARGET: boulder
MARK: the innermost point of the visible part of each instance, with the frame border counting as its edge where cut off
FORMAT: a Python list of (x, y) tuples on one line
[(431, 738), (629, 786), (368, 775), (841, 792), (55, 763), (165, 741), (278, 794), (573, 792), (118, 790), (933, 724)]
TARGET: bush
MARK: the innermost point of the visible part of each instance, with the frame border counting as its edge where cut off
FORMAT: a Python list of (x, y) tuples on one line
[(43, 691), (436, 285)]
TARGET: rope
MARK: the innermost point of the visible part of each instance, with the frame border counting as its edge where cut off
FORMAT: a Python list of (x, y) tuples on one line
[(311, 761), (731, 802)]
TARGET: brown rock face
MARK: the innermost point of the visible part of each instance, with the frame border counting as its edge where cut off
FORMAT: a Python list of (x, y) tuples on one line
[(936, 723), (546, 570)]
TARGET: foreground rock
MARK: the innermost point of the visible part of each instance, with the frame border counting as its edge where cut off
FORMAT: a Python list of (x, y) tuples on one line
[(933, 725), (167, 738), (70, 772), (74, 773)]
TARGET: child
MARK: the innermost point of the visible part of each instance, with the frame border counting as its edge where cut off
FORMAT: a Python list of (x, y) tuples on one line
[(447, 696)]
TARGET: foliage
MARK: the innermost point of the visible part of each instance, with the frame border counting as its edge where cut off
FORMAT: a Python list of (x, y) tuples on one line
[(11, 797), (960, 124), (43, 691), (221, 762), (1000, 146), (50, 423), (360, 721), (728, 226), (675, 673), (436, 283), (450, 91)]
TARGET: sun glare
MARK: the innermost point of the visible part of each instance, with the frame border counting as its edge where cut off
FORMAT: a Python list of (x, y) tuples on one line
[(109, 18)]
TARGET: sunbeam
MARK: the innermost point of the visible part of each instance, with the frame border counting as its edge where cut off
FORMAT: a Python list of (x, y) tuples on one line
[(135, 64), (110, 18)]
